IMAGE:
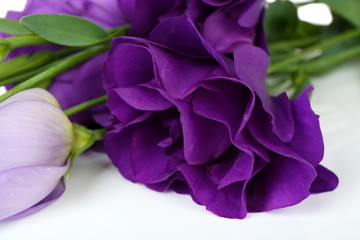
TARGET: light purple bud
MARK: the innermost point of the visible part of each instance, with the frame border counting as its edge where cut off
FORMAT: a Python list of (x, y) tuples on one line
[(35, 143)]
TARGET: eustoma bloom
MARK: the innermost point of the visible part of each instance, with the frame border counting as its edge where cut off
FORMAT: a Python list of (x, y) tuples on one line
[(192, 120), (35, 144)]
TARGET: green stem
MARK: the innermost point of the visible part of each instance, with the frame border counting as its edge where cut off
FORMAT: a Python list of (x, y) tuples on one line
[(317, 47), (99, 134), (26, 40), (35, 67), (85, 105), (294, 43), (119, 31), (62, 65), (26, 75), (327, 63)]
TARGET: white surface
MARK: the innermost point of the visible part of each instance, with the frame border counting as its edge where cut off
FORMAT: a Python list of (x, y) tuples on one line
[(100, 204)]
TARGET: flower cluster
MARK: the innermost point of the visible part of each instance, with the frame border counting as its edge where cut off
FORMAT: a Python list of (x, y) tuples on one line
[(187, 110), (193, 118)]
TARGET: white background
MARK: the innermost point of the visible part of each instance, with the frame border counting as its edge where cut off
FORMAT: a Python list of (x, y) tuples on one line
[(100, 204)]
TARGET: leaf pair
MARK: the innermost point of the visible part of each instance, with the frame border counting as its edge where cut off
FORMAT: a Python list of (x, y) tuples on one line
[(66, 30)]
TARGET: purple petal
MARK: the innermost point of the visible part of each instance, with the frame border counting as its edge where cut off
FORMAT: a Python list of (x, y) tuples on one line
[(144, 14), (124, 112), (251, 13), (307, 141), (226, 101), (260, 128), (241, 170), (180, 34), (136, 153), (90, 75), (220, 24), (181, 75), (143, 98), (226, 202), (217, 3), (175, 182), (251, 67), (128, 65), (283, 182), (325, 180), (204, 139)]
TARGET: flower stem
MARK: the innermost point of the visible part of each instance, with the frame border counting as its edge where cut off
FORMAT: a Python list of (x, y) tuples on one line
[(26, 75), (324, 64), (61, 66), (317, 47), (85, 105), (26, 40), (293, 43), (98, 134)]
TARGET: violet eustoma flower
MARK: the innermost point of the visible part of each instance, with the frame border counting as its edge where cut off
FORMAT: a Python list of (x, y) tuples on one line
[(36, 141), (191, 120)]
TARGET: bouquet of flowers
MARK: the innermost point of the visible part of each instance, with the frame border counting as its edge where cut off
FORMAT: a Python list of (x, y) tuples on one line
[(182, 94)]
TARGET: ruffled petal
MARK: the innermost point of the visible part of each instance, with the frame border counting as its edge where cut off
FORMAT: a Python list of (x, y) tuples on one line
[(204, 139), (251, 67), (226, 202), (136, 153), (325, 180), (281, 183)]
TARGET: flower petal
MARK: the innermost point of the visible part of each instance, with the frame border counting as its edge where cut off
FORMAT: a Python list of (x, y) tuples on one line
[(281, 183), (307, 141), (34, 94), (52, 197), (34, 133), (325, 180), (226, 202), (127, 65), (136, 153), (251, 67), (24, 187), (225, 101), (204, 139)]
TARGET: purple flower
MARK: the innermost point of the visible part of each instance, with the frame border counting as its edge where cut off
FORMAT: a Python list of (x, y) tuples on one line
[(84, 82), (225, 24), (36, 141), (197, 122)]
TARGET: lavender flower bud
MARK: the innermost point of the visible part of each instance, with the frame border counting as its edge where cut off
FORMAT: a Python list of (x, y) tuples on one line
[(35, 143)]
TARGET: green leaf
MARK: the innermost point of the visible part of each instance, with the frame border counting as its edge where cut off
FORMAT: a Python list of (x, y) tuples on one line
[(13, 27), (347, 9), (84, 139), (306, 29), (281, 20), (67, 30), (25, 63)]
